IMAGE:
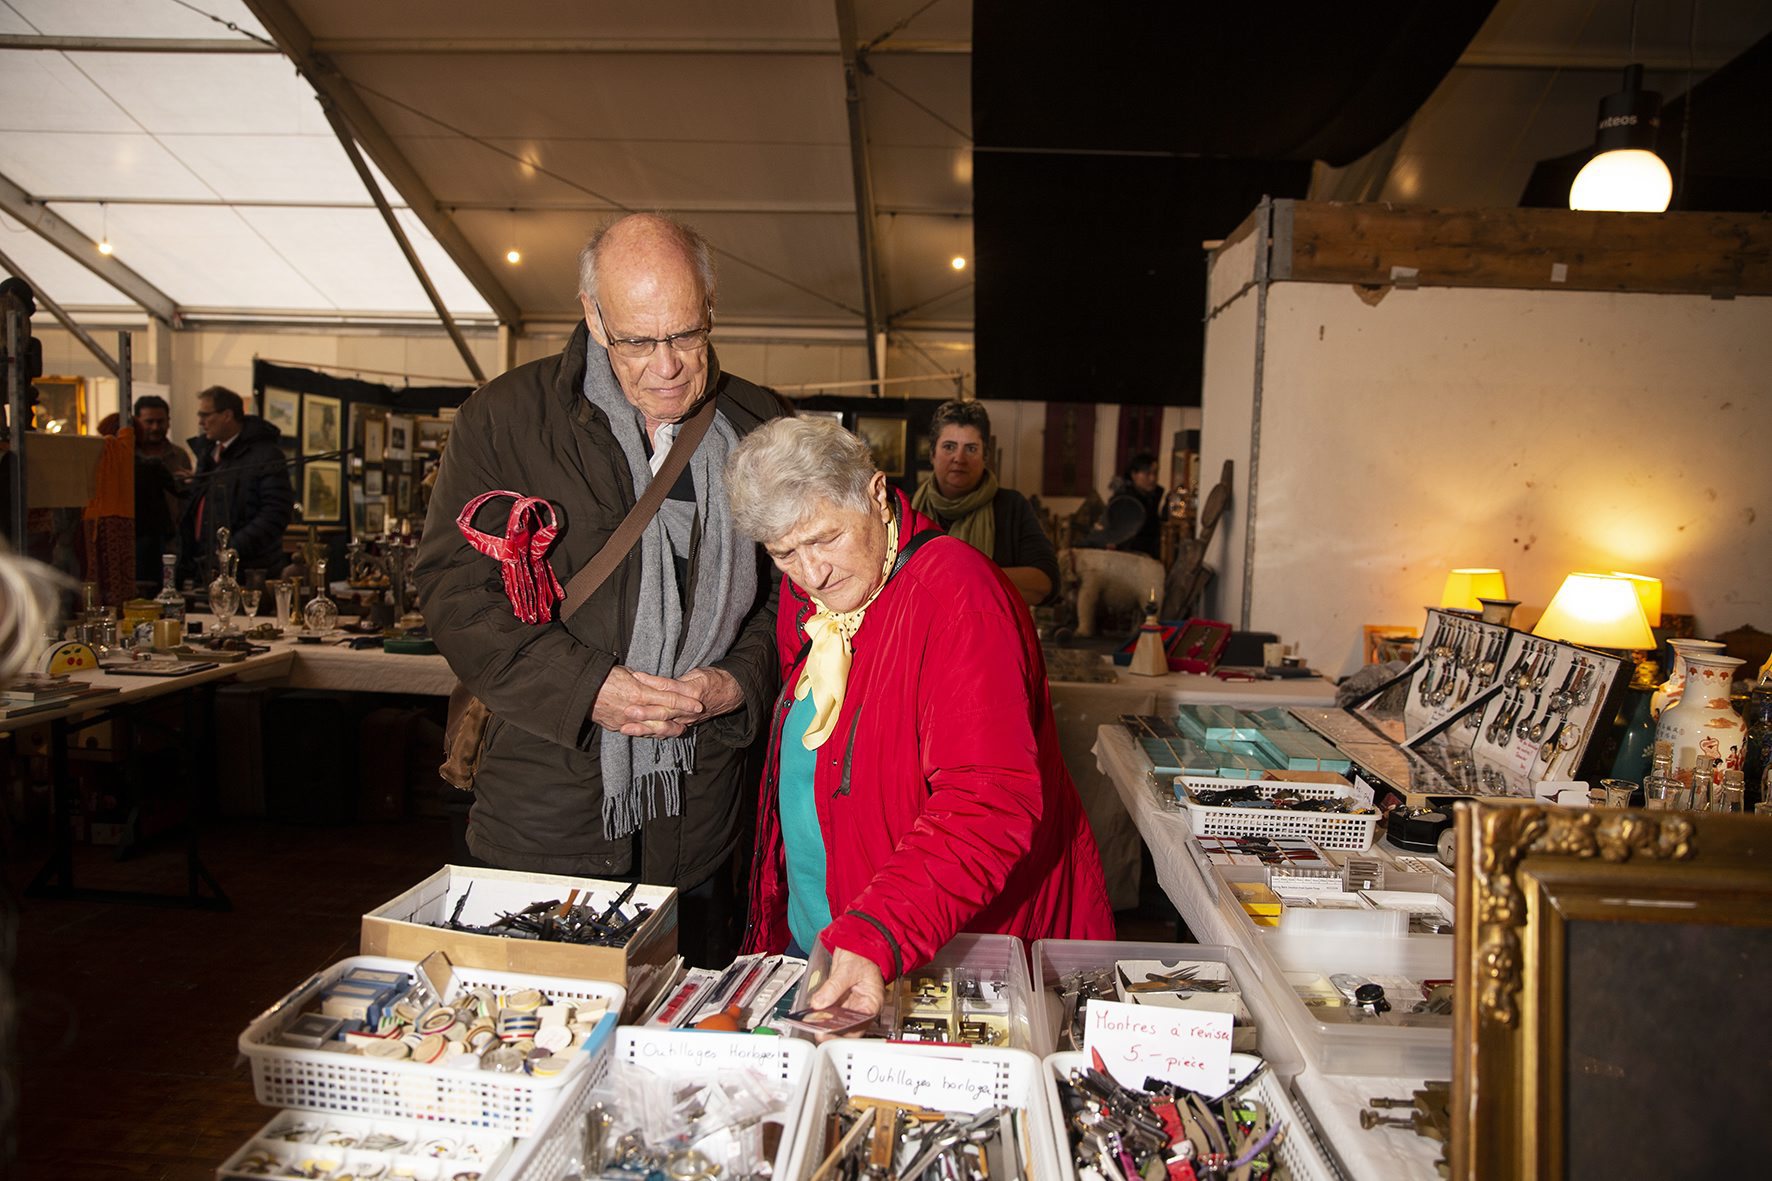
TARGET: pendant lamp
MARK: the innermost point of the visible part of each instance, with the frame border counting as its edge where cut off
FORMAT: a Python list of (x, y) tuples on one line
[(1625, 174)]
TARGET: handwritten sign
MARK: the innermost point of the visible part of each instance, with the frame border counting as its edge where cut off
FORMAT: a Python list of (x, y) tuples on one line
[(947, 1084), (692, 1050), (1189, 1047)]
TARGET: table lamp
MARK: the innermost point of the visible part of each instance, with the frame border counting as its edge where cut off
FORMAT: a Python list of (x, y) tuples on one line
[(1464, 587), (1648, 593), (1604, 611), (1597, 611)]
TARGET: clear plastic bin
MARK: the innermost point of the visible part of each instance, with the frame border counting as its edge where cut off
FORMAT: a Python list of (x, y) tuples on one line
[(1054, 958), (997, 957), (407, 1148)]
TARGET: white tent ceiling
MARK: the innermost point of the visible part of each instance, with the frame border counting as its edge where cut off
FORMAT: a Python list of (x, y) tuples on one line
[(212, 167)]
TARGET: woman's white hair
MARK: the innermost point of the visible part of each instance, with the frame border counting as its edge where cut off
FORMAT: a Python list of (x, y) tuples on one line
[(783, 471)]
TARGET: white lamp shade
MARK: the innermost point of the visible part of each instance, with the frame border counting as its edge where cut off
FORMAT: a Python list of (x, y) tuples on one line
[(1648, 593), (1627, 180), (1599, 611), (1465, 587)]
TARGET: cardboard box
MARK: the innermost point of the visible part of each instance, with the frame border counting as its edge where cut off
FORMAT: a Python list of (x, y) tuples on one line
[(399, 928)]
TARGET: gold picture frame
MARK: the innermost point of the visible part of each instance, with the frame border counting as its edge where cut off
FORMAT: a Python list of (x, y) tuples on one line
[(61, 405), (1610, 972), (885, 437)]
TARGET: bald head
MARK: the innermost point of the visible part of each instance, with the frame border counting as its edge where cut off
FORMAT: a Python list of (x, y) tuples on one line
[(645, 247)]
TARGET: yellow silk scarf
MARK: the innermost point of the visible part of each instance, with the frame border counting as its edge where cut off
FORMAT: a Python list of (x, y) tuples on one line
[(826, 672)]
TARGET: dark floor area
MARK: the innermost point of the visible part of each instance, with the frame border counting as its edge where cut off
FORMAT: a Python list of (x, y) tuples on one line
[(129, 1014)]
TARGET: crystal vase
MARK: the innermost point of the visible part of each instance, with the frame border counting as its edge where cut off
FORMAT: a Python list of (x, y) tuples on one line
[(321, 613), (224, 592)]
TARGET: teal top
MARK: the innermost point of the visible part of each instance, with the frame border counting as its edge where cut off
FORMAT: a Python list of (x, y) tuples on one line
[(809, 911)]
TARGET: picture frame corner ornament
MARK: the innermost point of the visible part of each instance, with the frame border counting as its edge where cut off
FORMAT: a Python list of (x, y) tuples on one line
[(1507, 836)]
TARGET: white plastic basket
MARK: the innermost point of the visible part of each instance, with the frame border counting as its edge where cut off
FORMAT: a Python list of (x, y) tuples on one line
[(354, 1084), (335, 1144), (1299, 1151), (1016, 1080), (1332, 830)]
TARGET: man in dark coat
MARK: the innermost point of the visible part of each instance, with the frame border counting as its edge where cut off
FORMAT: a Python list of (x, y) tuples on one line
[(241, 482), (617, 746)]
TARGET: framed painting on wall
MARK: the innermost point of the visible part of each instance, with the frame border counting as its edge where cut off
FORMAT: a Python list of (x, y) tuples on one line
[(283, 411), (885, 437), (322, 426), (400, 436), (322, 492)]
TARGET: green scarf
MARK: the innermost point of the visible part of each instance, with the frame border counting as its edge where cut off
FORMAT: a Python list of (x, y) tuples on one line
[(970, 517)]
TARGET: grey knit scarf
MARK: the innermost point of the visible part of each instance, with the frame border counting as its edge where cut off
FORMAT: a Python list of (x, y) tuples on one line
[(637, 771)]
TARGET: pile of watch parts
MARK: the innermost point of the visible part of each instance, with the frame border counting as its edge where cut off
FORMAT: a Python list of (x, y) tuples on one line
[(951, 1005), (392, 1015), (580, 920), (884, 1140), (645, 1126), (317, 1144), (1166, 1133)]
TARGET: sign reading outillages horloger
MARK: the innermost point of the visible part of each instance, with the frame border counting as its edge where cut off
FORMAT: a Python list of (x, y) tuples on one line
[(1188, 1047)]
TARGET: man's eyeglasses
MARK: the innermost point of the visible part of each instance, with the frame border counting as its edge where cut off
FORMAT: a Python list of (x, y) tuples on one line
[(636, 347)]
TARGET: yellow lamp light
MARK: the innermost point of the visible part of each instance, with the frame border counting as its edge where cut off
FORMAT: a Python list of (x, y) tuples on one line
[(1648, 593), (1465, 587), (1599, 611)]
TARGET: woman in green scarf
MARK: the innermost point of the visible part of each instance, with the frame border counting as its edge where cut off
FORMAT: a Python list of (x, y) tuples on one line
[(964, 498)]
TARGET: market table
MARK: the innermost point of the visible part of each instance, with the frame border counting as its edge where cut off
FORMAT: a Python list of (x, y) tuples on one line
[(1334, 1101), (1082, 707), (56, 878)]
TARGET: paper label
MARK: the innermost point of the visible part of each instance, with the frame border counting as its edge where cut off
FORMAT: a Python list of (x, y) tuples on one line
[(677, 1050), (946, 1084), (1188, 1047), (1363, 793)]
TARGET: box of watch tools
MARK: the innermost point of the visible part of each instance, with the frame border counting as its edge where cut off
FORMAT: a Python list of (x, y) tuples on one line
[(574, 928), (1483, 710)]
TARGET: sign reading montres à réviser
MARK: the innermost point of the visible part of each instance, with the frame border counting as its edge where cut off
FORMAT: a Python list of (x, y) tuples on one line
[(1188, 1047)]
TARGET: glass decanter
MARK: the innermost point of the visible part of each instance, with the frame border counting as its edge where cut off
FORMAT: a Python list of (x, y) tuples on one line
[(172, 604), (224, 592), (321, 613)]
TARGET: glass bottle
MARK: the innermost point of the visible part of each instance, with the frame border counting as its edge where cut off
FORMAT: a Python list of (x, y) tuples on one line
[(1728, 797), (172, 604), (1756, 751), (1701, 783), (321, 613), (224, 592), (1658, 785)]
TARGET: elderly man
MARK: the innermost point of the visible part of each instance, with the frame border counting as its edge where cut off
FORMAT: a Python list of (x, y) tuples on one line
[(241, 481), (618, 738)]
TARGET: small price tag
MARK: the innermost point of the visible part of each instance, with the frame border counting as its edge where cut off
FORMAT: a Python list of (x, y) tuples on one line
[(1363, 793), (1188, 1047), (946, 1084)]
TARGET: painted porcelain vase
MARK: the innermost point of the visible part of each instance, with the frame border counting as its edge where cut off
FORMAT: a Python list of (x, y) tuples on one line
[(1670, 689), (1702, 722)]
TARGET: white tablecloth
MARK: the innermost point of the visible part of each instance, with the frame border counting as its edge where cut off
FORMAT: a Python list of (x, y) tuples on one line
[(1334, 1100), (1082, 708)]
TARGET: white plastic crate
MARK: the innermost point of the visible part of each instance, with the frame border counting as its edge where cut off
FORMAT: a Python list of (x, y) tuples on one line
[(1054, 958), (354, 1084), (1015, 1079), (1299, 1151), (552, 1151), (296, 1140), (1332, 830)]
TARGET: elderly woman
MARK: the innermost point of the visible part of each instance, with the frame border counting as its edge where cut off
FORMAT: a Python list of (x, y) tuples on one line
[(963, 497), (914, 787)]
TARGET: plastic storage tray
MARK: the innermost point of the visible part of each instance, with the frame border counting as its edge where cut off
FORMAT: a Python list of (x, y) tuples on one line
[(1368, 1048), (1018, 1082), (352, 1084), (1002, 956), (334, 1142), (1332, 830), (1303, 1157), (552, 1151), (1055, 957)]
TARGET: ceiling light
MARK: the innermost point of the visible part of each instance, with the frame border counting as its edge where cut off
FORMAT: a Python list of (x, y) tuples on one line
[(104, 235), (105, 246), (958, 262), (513, 257), (1625, 174)]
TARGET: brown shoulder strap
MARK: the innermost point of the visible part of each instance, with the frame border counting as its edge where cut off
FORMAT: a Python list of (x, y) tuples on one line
[(594, 573)]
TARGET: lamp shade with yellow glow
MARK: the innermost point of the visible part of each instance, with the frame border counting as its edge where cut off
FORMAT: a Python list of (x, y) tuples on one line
[(1597, 611), (1465, 587), (1648, 593)]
